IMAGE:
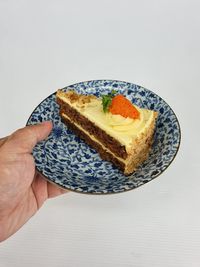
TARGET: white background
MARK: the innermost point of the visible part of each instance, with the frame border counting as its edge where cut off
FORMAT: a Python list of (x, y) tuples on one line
[(46, 45)]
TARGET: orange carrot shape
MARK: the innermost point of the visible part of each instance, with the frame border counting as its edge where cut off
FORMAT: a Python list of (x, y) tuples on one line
[(119, 105)]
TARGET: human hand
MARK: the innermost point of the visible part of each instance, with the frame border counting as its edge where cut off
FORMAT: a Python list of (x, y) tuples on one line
[(22, 188)]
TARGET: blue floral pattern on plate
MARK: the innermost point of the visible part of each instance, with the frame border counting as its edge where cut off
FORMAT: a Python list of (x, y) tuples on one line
[(69, 162)]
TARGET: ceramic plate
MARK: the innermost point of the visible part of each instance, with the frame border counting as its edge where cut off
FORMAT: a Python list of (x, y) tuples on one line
[(69, 162)]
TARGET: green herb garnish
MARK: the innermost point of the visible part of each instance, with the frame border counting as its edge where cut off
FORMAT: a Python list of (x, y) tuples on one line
[(107, 99)]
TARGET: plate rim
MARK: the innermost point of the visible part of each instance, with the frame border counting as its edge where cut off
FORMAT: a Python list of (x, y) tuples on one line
[(109, 193)]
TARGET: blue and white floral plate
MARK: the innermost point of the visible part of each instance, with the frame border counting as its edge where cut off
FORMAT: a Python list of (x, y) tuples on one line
[(69, 162)]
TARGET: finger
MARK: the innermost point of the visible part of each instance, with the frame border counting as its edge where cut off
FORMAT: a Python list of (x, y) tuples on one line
[(54, 191), (43, 189), (39, 187), (3, 140), (24, 140)]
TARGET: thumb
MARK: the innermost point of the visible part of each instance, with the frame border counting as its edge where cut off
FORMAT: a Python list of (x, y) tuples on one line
[(24, 140)]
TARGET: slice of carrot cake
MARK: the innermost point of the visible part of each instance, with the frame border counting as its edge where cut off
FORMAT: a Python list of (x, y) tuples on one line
[(119, 131)]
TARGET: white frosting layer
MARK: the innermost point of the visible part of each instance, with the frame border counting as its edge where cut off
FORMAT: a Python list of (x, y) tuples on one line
[(125, 130)]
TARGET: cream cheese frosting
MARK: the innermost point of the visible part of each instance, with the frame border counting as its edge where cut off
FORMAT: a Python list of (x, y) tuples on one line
[(125, 130)]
